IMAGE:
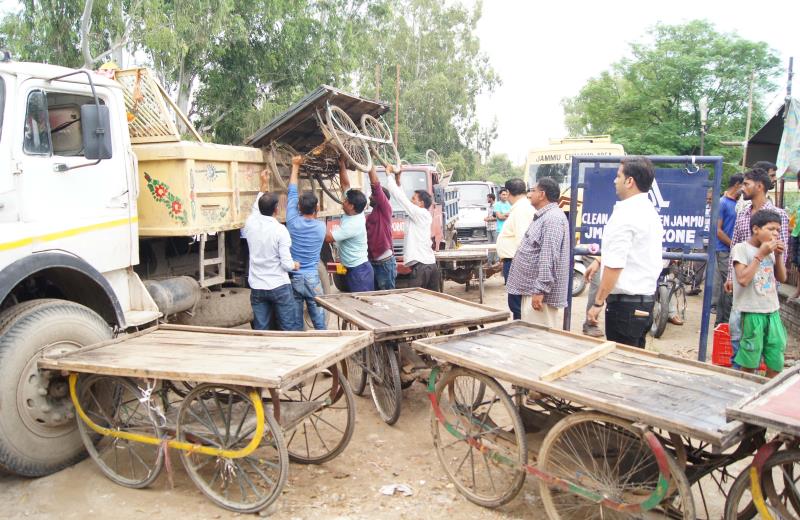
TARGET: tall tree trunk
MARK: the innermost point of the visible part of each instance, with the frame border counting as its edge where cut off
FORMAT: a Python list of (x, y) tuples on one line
[(185, 79), (86, 21)]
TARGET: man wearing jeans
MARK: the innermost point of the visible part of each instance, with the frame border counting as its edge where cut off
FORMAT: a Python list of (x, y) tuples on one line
[(379, 235), (725, 224), (351, 237), (308, 235), (270, 262)]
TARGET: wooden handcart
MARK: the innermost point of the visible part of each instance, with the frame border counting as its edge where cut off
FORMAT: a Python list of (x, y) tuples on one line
[(770, 486), (237, 405), (462, 263), (395, 318), (610, 431)]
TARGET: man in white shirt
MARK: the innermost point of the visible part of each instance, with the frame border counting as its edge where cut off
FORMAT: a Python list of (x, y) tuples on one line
[(270, 263), (417, 251), (630, 257), (514, 229)]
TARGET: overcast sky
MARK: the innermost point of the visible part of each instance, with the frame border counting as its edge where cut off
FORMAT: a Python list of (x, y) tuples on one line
[(545, 51)]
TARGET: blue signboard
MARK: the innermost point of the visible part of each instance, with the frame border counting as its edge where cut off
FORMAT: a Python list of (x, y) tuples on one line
[(678, 196)]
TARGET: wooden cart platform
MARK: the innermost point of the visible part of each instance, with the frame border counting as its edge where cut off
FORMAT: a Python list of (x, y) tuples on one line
[(774, 406), (677, 395), (261, 359), (402, 313)]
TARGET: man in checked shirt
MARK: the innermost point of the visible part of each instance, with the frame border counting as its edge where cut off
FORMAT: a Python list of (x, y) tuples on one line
[(540, 269), (755, 189)]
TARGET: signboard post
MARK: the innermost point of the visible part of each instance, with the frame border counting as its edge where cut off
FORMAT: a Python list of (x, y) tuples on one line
[(678, 195)]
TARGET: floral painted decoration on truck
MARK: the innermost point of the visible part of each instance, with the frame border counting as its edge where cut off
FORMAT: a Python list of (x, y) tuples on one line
[(160, 193)]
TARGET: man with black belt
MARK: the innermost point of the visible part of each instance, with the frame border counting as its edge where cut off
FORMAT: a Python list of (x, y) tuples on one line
[(630, 257)]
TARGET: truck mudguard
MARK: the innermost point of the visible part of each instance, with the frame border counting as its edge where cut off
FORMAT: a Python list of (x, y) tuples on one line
[(75, 279)]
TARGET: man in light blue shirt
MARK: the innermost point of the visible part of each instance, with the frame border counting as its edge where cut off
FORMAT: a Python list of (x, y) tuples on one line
[(351, 236), (270, 262), (308, 235), (502, 209)]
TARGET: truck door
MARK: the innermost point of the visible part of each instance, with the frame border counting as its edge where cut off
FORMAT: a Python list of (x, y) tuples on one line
[(8, 210), (67, 201)]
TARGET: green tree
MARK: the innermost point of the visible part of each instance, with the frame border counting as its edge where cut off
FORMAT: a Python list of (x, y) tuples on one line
[(499, 169), (442, 71), (650, 102)]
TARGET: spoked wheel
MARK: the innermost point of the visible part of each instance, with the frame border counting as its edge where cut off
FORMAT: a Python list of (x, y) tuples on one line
[(382, 144), (225, 417), (346, 135), (780, 489), (113, 403), (610, 458), (325, 432), (354, 367), (330, 185), (660, 311), (384, 381), (480, 444), (708, 472)]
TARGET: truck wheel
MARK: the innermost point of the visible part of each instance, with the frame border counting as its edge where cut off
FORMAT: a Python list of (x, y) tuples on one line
[(340, 282), (38, 433)]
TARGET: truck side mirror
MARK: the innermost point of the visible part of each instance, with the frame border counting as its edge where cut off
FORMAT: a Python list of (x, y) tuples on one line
[(96, 131)]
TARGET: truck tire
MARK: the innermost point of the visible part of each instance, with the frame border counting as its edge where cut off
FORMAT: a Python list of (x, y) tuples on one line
[(38, 433)]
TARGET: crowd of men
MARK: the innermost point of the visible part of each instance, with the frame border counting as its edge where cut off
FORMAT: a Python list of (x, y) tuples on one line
[(533, 245), (283, 275)]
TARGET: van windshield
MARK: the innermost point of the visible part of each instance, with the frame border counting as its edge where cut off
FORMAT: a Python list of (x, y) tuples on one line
[(472, 194)]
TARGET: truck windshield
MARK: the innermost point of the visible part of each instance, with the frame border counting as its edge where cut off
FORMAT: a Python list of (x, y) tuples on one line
[(410, 181), (472, 194)]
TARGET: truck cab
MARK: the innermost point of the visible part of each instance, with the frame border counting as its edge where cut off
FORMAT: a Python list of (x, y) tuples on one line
[(472, 209)]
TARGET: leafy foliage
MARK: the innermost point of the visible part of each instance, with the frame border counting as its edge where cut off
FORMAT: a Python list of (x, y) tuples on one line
[(650, 102)]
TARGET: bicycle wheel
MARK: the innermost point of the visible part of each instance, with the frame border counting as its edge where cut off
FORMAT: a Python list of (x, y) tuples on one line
[(326, 432), (346, 135), (384, 381), (385, 151), (660, 311), (113, 402), (608, 457), (481, 446), (223, 416)]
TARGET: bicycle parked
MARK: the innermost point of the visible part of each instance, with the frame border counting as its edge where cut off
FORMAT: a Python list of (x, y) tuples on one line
[(670, 297)]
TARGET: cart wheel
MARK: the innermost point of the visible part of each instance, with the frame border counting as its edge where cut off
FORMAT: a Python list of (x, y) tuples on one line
[(482, 447), (606, 456), (330, 185), (325, 433), (346, 135), (384, 381), (113, 402), (354, 366), (223, 416), (779, 489), (385, 151)]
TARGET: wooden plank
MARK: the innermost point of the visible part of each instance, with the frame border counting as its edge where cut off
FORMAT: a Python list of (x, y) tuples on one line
[(273, 361), (578, 362), (773, 406), (691, 402)]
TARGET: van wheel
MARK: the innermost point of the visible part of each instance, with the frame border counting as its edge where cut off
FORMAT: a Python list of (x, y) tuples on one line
[(38, 432)]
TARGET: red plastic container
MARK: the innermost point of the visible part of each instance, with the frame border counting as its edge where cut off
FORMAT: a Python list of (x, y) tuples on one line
[(722, 351)]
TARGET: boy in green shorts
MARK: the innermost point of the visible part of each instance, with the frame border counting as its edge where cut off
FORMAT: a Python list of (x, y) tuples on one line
[(759, 266)]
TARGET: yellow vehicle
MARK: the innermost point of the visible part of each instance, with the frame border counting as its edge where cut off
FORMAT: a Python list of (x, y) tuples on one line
[(555, 159)]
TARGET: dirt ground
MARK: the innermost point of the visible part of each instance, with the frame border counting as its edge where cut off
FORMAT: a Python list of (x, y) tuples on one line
[(344, 488)]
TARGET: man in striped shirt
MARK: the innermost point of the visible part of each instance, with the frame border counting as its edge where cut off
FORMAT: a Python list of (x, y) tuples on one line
[(756, 186), (540, 269)]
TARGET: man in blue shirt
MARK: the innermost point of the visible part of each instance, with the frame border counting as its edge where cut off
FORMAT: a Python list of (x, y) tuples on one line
[(502, 209), (351, 236), (725, 225), (308, 235)]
